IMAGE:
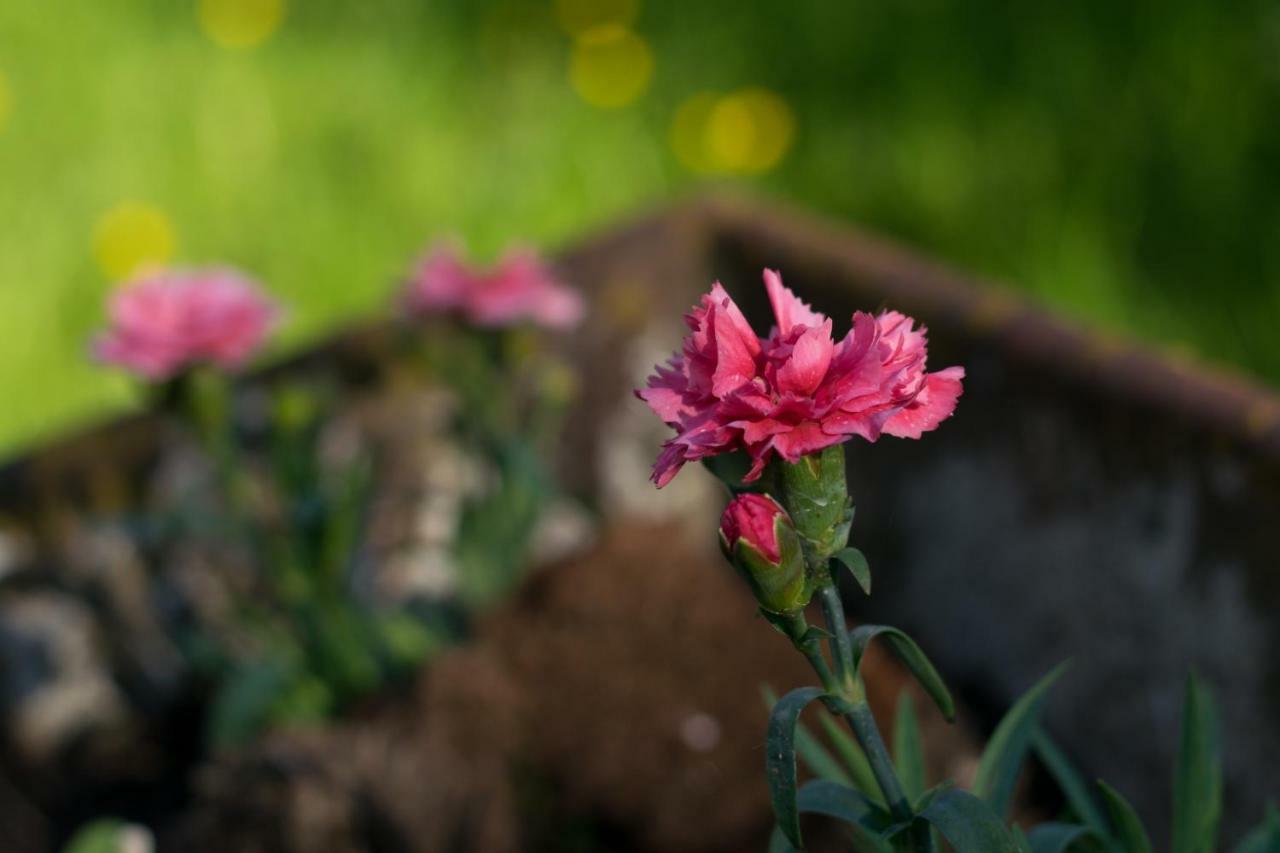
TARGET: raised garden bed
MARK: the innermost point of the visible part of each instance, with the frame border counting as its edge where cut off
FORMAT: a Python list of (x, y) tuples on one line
[(1090, 500)]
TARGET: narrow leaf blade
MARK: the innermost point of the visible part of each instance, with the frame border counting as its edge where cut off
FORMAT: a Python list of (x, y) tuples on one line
[(853, 560), (1002, 759), (1074, 788), (906, 650), (842, 803), (1129, 830), (780, 758), (811, 750), (1056, 837), (908, 754), (1197, 785), (1265, 838), (969, 823)]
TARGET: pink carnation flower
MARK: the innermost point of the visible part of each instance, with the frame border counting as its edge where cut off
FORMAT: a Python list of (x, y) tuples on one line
[(796, 392), (521, 288), (167, 321)]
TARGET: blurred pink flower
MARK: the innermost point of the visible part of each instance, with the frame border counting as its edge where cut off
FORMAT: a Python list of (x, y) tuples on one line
[(796, 392), (519, 289), (167, 321)]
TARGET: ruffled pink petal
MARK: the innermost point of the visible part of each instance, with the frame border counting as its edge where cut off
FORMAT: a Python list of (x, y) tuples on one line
[(788, 309), (803, 439), (736, 345), (810, 357), (933, 405)]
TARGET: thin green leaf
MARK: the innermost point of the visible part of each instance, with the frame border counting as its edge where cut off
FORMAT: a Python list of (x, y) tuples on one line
[(1074, 788), (1265, 838), (1002, 759), (778, 842), (1197, 785), (969, 823), (909, 653), (1020, 838), (908, 755), (844, 803), (811, 750), (850, 752), (1128, 827), (1056, 837), (780, 758), (853, 560)]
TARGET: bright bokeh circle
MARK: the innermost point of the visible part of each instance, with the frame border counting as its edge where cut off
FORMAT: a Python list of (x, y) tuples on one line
[(238, 24), (130, 237), (610, 66), (748, 131)]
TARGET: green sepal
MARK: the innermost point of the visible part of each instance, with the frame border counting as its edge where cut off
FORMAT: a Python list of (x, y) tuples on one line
[(906, 650), (780, 759), (853, 560), (815, 492), (730, 468), (780, 587), (1003, 757)]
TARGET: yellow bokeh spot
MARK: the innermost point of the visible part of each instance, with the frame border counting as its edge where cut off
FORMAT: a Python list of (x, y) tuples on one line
[(579, 17), (130, 237), (745, 132), (611, 66), (4, 101), (689, 131), (240, 23)]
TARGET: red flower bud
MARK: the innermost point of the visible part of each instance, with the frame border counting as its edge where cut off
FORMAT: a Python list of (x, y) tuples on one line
[(760, 540)]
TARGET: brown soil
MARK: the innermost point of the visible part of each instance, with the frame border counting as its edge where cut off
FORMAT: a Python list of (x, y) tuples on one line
[(614, 705)]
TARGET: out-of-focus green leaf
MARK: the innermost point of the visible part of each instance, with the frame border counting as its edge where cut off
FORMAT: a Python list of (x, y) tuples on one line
[(1056, 837), (910, 654), (243, 703), (1265, 838), (1128, 829), (108, 836), (853, 560), (1197, 784), (406, 638), (1003, 757), (780, 758), (1074, 788), (968, 823), (908, 754)]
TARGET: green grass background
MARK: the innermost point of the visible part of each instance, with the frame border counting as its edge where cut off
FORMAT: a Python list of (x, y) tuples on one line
[(1118, 160)]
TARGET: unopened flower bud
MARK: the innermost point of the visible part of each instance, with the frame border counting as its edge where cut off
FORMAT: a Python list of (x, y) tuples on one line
[(761, 542)]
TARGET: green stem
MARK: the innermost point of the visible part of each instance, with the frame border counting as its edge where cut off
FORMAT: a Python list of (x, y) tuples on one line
[(841, 647), (863, 723)]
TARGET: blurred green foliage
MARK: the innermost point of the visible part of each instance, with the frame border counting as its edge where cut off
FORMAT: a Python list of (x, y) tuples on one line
[(1117, 160)]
